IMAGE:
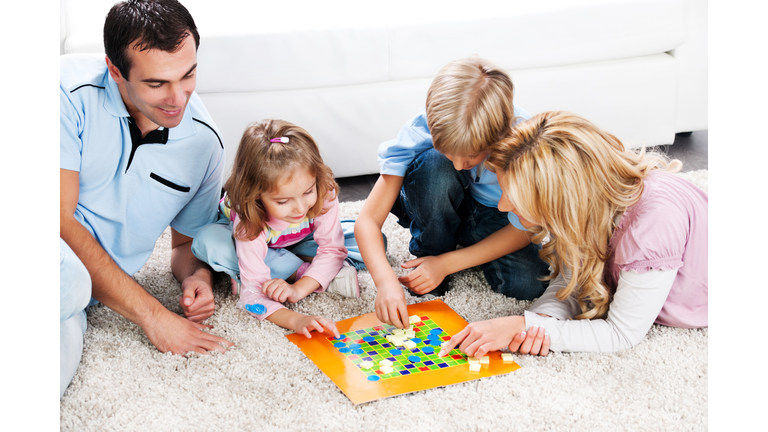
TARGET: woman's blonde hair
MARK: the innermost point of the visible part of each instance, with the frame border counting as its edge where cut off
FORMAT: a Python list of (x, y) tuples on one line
[(566, 174), (261, 166), (469, 106)]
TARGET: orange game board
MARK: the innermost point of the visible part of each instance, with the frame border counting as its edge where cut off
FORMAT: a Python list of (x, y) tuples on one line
[(419, 368)]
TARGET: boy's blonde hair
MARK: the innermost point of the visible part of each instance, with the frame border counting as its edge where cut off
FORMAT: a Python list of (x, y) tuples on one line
[(262, 166), (469, 106), (573, 179)]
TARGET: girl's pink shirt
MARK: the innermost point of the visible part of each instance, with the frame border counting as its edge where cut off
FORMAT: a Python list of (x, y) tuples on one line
[(331, 253)]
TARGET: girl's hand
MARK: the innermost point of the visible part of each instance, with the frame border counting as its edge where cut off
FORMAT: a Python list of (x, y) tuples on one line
[(534, 342), (305, 324), (390, 305), (278, 290), (427, 276), (478, 338)]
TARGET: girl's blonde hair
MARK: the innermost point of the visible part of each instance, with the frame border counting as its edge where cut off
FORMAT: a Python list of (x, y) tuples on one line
[(261, 166), (469, 106), (574, 179)]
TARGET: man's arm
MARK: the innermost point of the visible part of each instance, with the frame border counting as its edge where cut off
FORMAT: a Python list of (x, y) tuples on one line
[(430, 271), (118, 291), (196, 279), (390, 299)]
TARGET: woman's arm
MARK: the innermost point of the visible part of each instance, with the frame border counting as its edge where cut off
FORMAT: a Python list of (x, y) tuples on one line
[(636, 305)]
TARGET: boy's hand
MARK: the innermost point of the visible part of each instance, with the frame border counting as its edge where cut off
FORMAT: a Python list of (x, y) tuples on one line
[(428, 275), (390, 305), (306, 324), (478, 338), (534, 342)]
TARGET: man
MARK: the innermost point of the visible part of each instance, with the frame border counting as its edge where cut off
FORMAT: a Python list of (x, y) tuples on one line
[(139, 152)]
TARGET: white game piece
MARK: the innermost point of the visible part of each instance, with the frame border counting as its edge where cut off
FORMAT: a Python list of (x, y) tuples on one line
[(366, 365), (409, 344), (385, 363), (474, 367), (484, 360), (386, 369), (473, 360), (507, 357), (414, 319)]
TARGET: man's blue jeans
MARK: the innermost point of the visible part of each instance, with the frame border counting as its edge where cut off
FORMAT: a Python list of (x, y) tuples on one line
[(437, 207)]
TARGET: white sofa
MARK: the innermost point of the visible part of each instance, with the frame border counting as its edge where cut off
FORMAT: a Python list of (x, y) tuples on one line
[(352, 73)]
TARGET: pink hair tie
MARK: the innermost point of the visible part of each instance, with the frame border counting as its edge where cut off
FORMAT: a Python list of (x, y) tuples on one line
[(283, 140)]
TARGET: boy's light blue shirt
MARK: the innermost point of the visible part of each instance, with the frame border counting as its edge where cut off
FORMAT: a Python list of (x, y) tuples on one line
[(396, 155), (128, 197)]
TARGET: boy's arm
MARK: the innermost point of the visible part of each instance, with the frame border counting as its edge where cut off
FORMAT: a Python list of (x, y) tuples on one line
[(430, 271), (390, 299), (119, 292)]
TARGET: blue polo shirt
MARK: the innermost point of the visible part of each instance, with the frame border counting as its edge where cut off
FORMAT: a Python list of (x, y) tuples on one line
[(396, 155), (132, 188)]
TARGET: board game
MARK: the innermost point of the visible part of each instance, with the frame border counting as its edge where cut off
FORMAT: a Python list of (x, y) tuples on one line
[(372, 360)]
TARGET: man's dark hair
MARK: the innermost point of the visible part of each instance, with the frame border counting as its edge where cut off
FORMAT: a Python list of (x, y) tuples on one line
[(146, 25)]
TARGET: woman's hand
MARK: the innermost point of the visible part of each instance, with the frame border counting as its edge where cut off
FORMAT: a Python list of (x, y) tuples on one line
[(478, 338), (534, 342)]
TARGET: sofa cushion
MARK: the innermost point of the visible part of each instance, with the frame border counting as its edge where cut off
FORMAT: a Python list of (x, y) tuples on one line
[(268, 46)]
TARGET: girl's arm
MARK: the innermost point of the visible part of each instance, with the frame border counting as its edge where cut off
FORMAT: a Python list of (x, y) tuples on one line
[(303, 324), (636, 305), (390, 299), (331, 251)]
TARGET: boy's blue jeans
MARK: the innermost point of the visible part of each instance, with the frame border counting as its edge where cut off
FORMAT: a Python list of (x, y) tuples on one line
[(437, 207)]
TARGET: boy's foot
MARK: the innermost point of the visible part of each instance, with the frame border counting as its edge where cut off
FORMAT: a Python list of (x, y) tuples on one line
[(345, 282), (235, 287)]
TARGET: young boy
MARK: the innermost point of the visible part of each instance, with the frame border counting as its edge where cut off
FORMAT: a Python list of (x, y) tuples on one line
[(432, 179)]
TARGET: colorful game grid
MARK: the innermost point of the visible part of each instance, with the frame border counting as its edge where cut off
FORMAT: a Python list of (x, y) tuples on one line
[(414, 369), (370, 344)]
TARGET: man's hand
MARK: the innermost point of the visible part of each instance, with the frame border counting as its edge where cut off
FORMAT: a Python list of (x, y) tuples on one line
[(197, 297), (390, 305), (428, 274), (478, 338), (172, 333)]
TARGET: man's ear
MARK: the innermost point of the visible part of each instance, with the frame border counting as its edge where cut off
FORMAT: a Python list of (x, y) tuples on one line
[(114, 71)]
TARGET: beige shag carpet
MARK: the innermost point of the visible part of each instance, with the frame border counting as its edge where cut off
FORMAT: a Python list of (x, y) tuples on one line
[(266, 383)]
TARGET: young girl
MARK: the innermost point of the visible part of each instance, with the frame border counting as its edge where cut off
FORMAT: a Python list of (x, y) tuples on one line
[(627, 240), (281, 206)]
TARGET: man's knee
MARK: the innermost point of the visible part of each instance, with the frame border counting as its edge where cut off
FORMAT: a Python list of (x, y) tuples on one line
[(70, 348), (74, 283)]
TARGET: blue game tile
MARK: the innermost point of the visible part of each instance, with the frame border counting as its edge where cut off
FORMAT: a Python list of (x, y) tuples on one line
[(404, 372), (357, 351), (373, 343), (442, 365), (395, 352), (429, 363), (360, 331), (373, 333), (436, 331), (409, 366), (354, 346), (368, 358), (416, 340), (344, 350), (428, 350), (369, 338), (373, 378), (373, 353), (339, 345), (391, 359), (386, 346), (342, 337), (414, 359)]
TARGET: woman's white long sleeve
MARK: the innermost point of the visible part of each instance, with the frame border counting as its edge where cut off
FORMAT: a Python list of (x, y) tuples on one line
[(635, 306)]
